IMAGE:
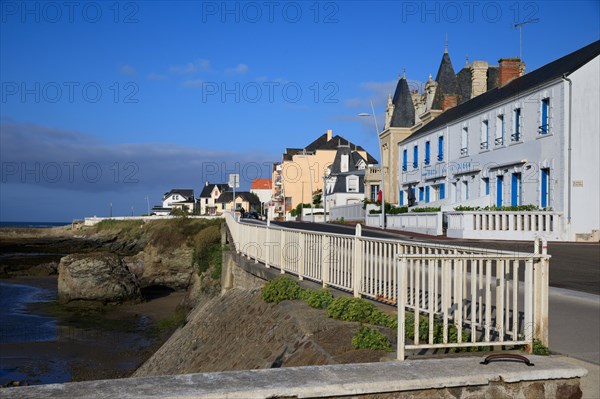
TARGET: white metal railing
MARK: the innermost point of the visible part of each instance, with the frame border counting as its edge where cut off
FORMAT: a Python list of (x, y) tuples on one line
[(417, 222), (457, 289), (348, 212), (507, 225)]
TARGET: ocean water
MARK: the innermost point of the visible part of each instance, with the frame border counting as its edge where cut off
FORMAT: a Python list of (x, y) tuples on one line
[(19, 326), (33, 224)]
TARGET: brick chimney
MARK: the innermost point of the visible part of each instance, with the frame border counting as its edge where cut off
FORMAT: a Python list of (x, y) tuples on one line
[(329, 133), (509, 69), (449, 101)]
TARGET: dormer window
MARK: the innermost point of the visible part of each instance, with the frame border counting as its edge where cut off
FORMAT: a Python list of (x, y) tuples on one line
[(344, 163), (352, 184)]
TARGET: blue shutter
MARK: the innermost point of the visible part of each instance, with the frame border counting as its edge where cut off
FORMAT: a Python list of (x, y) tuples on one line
[(544, 126), (416, 157), (544, 188), (401, 197), (427, 152), (499, 187), (486, 181), (441, 148), (427, 194), (404, 160), (421, 192), (515, 188), (442, 191)]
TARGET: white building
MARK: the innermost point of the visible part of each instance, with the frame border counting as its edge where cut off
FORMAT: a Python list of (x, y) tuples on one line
[(208, 197), (533, 141), (345, 181)]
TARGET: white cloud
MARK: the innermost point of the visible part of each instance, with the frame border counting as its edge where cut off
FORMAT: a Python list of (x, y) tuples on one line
[(156, 76), (127, 70), (194, 83), (239, 69), (201, 65)]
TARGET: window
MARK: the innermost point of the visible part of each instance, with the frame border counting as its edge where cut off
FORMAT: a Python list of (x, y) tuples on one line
[(427, 194), (544, 190), (352, 184), (465, 191), (515, 190), (344, 163), (427, 152), (464, 141), (374, 192), (516, 136), (223, 205), (485, 182), (442, 191), (401, 197), (545, 119), (405, 160), (416, 157), (499, 130), (421, 193), (484, 135), (440, 156)]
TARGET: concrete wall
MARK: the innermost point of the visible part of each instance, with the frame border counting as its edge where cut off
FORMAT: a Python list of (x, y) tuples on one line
[(454, 378)]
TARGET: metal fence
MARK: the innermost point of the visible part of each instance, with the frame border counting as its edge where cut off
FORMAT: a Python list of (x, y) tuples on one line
[(456, 296)]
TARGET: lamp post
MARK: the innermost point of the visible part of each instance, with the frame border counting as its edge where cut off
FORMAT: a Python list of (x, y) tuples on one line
[(381, 155), (148, 205)]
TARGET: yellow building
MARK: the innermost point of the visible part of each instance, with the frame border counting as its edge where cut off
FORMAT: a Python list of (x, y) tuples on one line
[(301, 171)]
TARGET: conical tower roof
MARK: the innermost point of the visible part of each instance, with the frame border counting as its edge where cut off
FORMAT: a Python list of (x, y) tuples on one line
[(447, 83), (404, 109)]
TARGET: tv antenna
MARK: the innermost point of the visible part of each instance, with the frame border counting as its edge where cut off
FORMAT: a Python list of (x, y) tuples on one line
[(520, 26)]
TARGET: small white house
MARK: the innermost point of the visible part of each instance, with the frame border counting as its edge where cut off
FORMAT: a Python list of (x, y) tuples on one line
[(179, 198), (345, 180), (208, 197)]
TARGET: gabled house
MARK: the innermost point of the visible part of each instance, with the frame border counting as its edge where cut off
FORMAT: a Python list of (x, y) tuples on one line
[(299, 175), (263, 190), (243, 199), (345, 178), (208, 197), (179, 198)]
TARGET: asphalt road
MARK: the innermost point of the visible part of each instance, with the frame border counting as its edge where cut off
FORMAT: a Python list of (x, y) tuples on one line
[(573, 266)]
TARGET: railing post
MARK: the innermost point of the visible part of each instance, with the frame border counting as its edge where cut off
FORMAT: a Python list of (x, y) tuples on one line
[(402, 288), (326, 256), (301, 246), (267, 246), (540, 286), (357, 261)]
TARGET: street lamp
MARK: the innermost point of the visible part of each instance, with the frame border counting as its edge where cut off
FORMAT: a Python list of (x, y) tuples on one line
[(381, 155), (148, 205)]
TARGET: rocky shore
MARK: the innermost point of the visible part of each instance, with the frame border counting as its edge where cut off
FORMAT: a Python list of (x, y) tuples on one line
[(121, 290)]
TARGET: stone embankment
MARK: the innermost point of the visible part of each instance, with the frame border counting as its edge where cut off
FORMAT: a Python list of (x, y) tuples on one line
[(239, 331)]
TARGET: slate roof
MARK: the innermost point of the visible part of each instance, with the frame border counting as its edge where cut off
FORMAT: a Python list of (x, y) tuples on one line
[(404, 109), (207, 189), (227, 197), (184, 192), (446, 82), (321, 143), (554, 70), (353, 159)]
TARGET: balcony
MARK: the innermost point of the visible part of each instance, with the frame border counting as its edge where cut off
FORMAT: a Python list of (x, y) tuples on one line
[(499, 141), (483, 145), (464, 151)]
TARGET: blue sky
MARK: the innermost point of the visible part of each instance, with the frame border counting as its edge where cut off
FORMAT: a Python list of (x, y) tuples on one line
[(112, 102)]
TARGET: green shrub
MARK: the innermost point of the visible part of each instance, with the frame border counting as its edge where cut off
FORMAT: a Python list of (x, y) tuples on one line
[(317, 299), (369, 338), (539, 348), (281, 289), (350, 309), (427, 209), (383, 319)]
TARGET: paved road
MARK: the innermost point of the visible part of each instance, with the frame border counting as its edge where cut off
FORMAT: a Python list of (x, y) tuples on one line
[(574, 266)]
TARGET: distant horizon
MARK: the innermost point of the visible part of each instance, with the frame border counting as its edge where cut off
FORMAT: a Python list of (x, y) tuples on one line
[(93, 115)]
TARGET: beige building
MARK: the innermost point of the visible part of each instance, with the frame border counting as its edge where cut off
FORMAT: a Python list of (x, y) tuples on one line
[(409, 110), (301, 171)]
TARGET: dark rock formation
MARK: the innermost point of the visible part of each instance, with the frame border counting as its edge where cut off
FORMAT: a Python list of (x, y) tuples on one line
[(96, 278)]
